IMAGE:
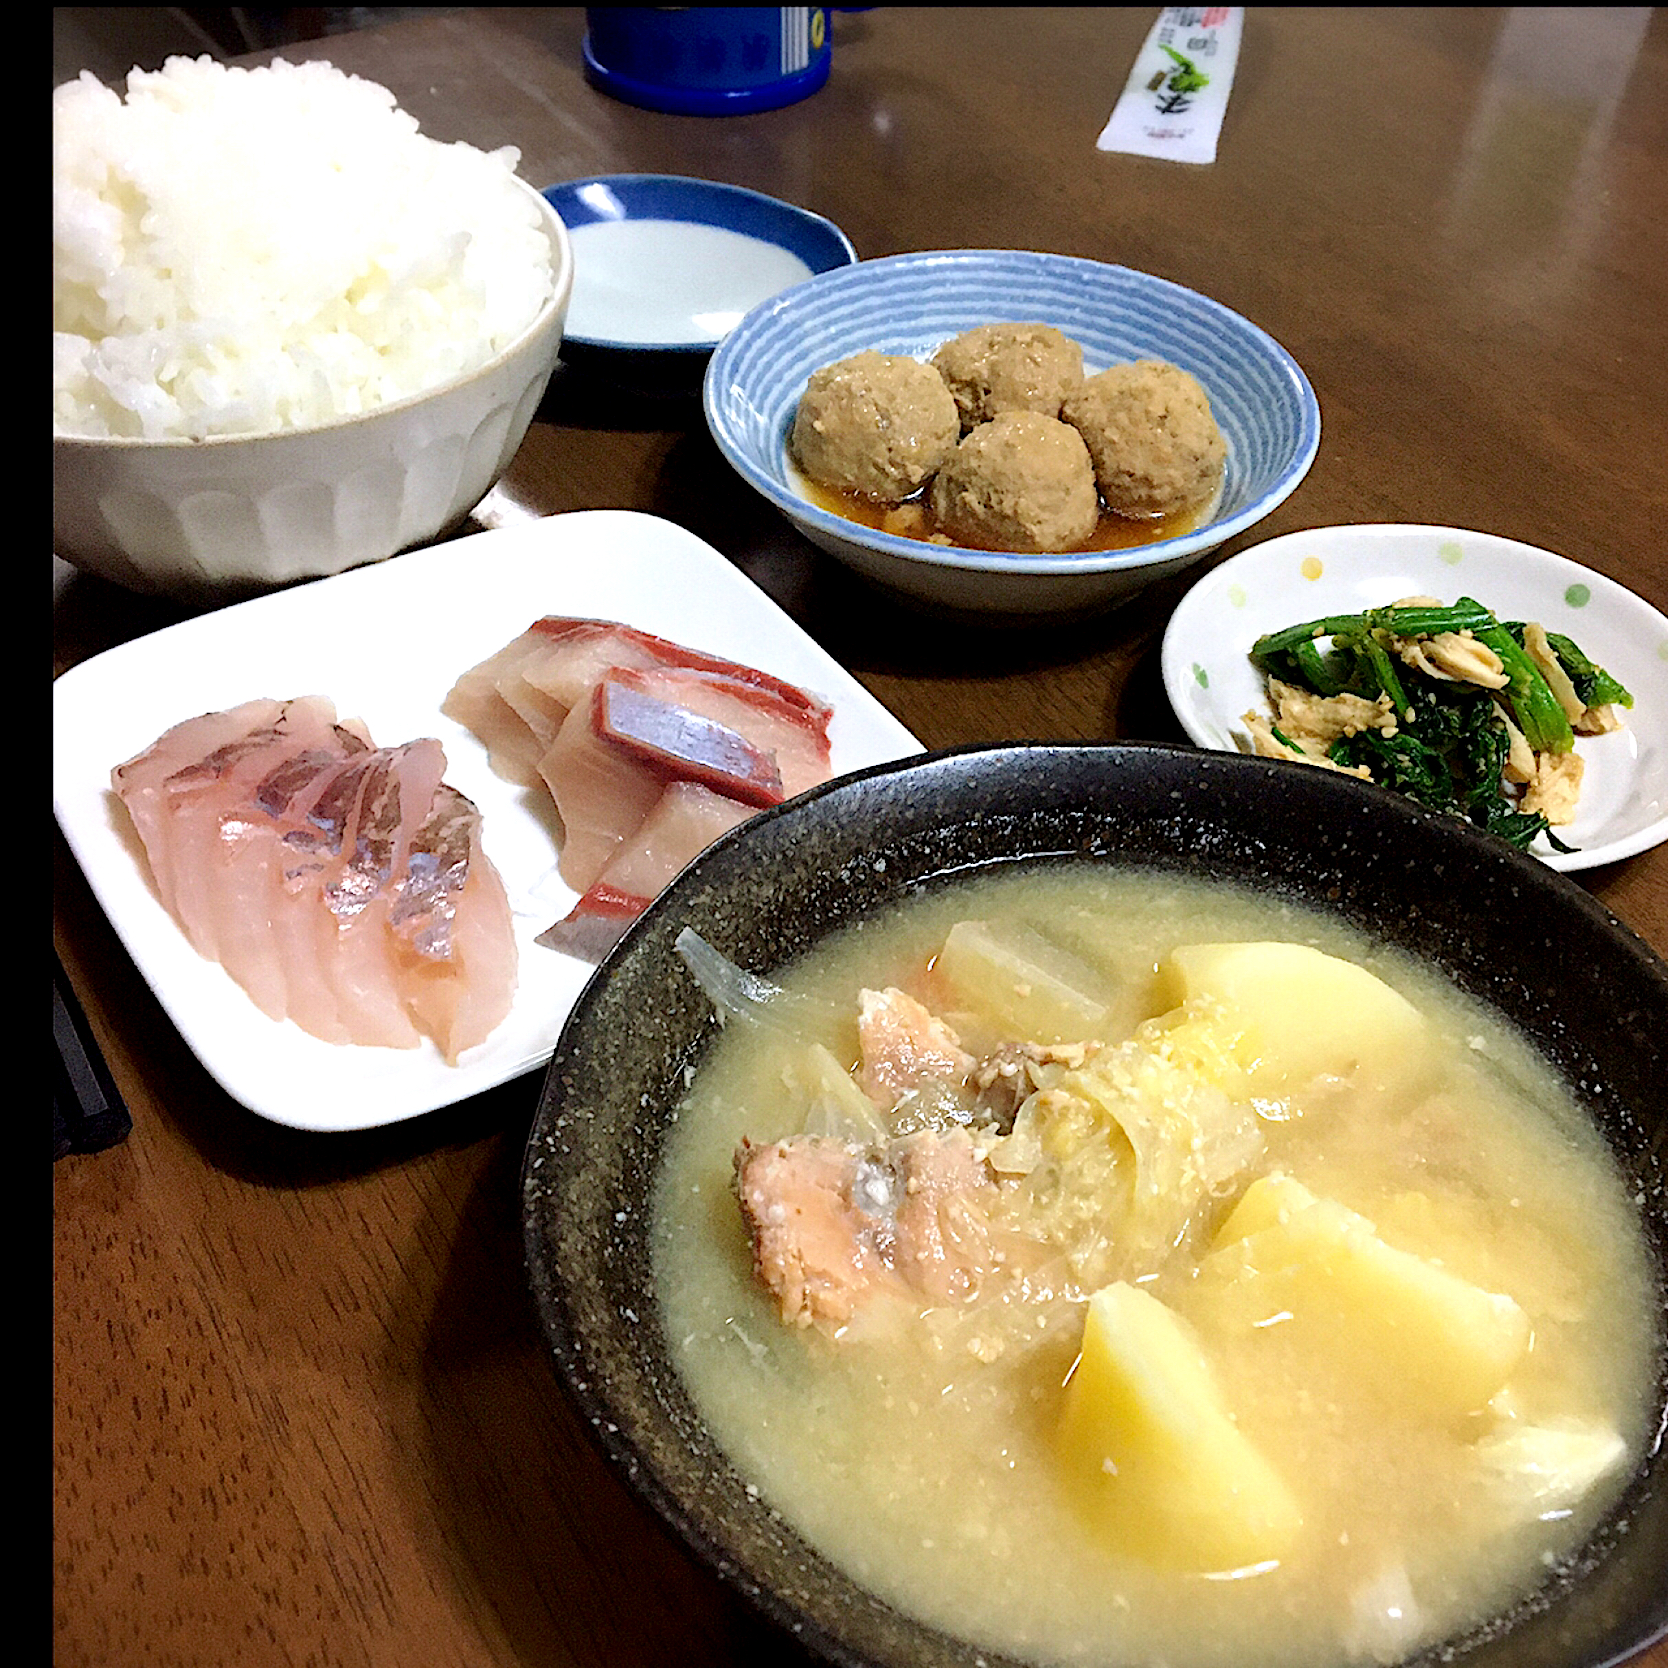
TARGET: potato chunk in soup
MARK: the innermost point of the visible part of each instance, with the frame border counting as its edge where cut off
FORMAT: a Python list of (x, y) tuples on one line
[(1150, 1444)]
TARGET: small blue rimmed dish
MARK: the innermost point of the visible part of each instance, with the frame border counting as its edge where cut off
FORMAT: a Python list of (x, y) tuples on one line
[(912, 304), (665, 267)]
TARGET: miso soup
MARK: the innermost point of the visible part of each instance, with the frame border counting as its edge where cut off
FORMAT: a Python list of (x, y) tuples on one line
[(1118, 1269)]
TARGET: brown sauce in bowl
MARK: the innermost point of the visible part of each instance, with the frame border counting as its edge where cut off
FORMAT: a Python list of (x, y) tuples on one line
[(914, 519)]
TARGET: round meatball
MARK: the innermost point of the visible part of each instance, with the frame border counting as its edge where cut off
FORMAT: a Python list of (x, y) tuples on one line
[(1009, 367), (876, 424), (1149, 428), (1022, 481)]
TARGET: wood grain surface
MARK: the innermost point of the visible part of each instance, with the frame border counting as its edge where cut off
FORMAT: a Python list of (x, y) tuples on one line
[(302, 1412)]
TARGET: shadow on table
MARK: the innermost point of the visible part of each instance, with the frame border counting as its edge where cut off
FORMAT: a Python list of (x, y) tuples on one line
[(579, 397)]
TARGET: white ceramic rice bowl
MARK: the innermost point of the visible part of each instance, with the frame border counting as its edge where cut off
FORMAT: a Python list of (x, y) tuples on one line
[(912, 304), (205, 518)]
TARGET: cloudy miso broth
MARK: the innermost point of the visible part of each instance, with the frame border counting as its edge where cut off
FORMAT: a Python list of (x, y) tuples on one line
[(1233, 1178)]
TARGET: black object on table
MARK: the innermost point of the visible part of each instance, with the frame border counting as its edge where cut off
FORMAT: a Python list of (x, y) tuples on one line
[(87, 1113)]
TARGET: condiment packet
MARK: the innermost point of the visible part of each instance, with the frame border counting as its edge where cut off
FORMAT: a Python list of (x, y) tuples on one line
[(1177, 93)]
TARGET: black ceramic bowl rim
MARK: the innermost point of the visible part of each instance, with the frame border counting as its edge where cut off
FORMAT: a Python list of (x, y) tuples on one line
[(1410, 877)]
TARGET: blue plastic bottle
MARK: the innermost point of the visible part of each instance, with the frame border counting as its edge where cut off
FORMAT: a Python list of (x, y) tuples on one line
[(707, 60)]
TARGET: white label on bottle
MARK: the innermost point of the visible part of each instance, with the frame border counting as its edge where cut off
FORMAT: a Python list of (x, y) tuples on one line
[(1173, 104)]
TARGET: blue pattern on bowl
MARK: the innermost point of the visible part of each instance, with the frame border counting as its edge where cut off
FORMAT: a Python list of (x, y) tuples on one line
[(911, 304)]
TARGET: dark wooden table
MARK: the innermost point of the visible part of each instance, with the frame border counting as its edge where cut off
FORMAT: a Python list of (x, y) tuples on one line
[(302, 1413)]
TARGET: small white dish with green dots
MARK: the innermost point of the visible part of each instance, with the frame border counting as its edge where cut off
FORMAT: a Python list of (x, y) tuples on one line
[(1212, 684)]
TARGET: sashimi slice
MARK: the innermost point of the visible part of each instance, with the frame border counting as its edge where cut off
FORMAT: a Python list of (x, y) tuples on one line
[(516, 721), (277, 952), (342, 885), (244, 895), (796, 739), (360, 968), (140, 781), (668, 736), (393, 800), (205, 831), (639, 714), (685, 820), (603, 791), (452, 921), (602, 794), (515, 700), (580, 651), (391, 790), (304, 940)]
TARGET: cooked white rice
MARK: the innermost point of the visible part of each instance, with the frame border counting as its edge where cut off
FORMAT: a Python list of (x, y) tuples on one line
[(242, 251)]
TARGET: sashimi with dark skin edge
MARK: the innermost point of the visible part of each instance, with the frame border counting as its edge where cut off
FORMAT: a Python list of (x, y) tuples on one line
[(538, 677), (341, 884), (796, 739), (669, 737), (603, 790)]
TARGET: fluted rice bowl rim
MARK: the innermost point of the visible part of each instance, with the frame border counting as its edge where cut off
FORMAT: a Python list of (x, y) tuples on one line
[(913, 303)]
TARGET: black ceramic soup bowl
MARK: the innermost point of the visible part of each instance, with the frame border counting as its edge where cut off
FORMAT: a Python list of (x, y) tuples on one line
[(1504, 928)]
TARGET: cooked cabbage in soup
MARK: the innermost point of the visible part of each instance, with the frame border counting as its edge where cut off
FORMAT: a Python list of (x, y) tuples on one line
[(1119, 1269)]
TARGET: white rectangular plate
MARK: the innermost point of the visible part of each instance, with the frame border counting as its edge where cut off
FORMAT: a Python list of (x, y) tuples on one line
[(386, 643)]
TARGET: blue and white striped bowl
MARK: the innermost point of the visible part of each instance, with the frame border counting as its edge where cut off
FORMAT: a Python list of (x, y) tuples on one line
[(912, 304)]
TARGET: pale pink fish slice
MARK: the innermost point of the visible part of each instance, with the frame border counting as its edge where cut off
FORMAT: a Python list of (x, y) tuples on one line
[(516, 720), (354, 870), (393, 800), (210, 818), (581, 651), (602, 794), (685, 820), (138, 782), (603, 791), (288, 840), (422, 937), (604, 785), (253, 884), (306, 936), (306, 849), (453, 929), (360, 970), (243, 885), (570, 658), (198, 810), (515, 700)]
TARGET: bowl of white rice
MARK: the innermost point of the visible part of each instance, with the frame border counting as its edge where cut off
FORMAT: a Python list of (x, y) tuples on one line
[(291, 333)]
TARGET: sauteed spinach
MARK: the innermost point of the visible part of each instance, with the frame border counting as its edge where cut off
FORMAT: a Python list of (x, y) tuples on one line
[(1468, 714)]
